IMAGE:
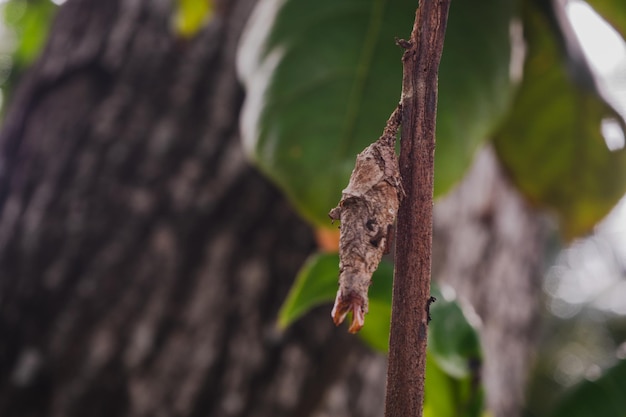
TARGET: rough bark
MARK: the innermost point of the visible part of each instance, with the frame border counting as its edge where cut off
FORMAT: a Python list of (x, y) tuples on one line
[(413, 255), (142, 261)]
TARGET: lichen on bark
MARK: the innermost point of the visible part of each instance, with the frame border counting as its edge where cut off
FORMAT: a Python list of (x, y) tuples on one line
[(367, 212)]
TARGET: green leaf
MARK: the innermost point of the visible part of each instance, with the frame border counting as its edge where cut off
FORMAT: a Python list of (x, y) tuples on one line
[(322, 77), (453, 356), (439, 389), (604, 397), (475, 86), (31, 21), (447, 396), (315, 284), (191, 15), (552, 145), (452, 340)]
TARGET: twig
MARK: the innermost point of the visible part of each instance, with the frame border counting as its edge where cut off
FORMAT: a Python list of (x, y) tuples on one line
[(411, 288)]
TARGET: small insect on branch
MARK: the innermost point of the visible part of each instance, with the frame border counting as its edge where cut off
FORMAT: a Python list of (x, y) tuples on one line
[(367, 212)]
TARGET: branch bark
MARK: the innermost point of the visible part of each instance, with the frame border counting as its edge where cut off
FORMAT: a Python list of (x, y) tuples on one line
[(411, 289)]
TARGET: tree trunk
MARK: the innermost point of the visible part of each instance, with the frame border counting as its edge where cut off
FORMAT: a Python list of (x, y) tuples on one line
[(143, 262)]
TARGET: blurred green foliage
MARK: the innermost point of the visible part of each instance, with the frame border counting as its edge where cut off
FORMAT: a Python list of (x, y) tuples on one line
[(24, 26), (551, 144), (454, 354)]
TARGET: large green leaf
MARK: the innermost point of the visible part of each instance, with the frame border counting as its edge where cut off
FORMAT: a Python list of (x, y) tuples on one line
[(475, 83), (323, 76), (552, 145), (604, 397)]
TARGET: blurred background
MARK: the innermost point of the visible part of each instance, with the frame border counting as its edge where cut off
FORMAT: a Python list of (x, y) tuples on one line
[(165, 172)]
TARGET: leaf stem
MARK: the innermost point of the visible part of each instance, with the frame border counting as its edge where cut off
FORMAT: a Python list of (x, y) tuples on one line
[(411, 288)]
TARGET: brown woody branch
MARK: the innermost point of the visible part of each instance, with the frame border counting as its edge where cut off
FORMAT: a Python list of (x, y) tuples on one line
[(411, 288)]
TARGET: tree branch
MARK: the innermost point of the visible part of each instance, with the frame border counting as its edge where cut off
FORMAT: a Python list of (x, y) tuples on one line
[(411, 288)]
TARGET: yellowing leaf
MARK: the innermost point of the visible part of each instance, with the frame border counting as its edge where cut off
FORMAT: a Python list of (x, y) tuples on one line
[(191, 15)]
